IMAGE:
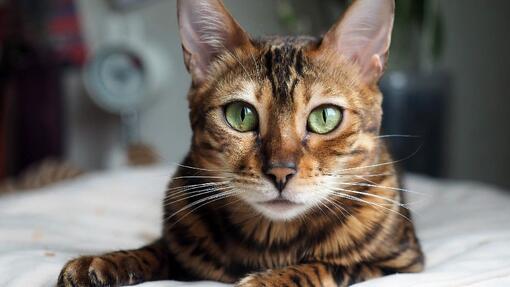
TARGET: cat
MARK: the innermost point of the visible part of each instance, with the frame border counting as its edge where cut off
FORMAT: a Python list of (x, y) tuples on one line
[(286, 182)]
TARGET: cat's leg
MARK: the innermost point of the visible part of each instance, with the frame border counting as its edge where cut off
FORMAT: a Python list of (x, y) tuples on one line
[(117, 268), (325, 275)]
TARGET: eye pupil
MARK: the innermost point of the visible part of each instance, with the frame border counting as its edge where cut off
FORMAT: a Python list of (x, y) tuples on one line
[(324, 116), (243, 113)]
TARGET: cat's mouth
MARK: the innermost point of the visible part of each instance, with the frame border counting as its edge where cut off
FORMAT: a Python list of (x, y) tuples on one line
[(280, 203), (280, 208)]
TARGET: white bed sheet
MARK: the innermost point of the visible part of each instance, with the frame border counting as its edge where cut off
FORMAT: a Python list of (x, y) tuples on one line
[(464, 228)]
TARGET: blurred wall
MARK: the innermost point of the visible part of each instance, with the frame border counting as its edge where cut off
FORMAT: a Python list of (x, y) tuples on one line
[(94, 135), (477, 55)]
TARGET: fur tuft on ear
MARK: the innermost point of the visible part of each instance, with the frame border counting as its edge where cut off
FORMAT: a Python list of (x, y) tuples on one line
[(363, 35), (207, 29)]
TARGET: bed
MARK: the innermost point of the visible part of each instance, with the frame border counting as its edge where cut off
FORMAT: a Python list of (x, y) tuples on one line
[(464, 228)]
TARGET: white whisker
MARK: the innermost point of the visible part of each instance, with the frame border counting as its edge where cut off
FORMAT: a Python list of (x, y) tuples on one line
[(195, 186), (336, 205), (201, 203), (365, 179), (373, 204), (397, 135), (351, 174), (202, 169), (393, 201), (380, 186), (194, 194), (200, 176), (383, 163)]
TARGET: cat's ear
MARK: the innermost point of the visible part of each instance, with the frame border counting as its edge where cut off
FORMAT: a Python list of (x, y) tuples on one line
[(363, 36), (207, 29)]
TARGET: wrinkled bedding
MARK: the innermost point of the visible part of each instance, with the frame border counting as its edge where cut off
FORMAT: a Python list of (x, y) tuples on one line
[(464, 228)]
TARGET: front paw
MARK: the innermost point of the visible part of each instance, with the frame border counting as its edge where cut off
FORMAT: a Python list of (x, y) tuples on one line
[(89, 271), (252, 281), (266, 279)]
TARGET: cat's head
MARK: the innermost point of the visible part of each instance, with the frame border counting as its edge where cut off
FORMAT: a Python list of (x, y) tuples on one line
[(283, 119)]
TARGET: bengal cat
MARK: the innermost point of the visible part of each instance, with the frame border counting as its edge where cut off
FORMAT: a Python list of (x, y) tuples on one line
[(286, 182)]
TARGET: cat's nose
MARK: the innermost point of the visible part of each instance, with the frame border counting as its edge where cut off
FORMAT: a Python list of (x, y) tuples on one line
[(280, 174)]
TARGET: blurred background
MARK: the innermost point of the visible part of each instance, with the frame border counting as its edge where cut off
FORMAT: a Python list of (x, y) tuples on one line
[(99, 84)]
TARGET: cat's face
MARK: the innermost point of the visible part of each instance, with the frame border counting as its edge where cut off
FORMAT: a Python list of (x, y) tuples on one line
[(284, 120)]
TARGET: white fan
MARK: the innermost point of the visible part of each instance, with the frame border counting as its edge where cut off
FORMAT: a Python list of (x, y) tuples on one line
[(124, 78), (125, 75)]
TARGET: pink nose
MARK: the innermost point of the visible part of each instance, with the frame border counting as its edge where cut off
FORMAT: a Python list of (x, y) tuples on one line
[(280, 175)]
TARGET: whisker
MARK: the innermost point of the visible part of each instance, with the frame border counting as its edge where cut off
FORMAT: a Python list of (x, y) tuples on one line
[(198, 202), (373, 184), (397, 136), (365, 179), (381, 186), (383, 163), (350, 214), (194, 186), (319, 205), (202, 169), (378, 185), (336, 205), (247, 180), (352, 174), (373, 204), (186, 193), (199, 176), (339, 206), (172, 200), (207, 200), (371, 195), (203, 204), (174, 164)]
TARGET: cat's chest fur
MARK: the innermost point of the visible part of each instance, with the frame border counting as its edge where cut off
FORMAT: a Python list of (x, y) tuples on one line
[(243, 243)]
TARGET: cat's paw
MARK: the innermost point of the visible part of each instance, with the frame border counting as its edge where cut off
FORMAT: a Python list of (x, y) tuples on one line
[(267, 279), (249, 281), (300, 275), (89, 272)]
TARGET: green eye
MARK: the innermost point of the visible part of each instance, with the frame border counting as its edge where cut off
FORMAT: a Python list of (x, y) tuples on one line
[(324, 119), (241, 116)]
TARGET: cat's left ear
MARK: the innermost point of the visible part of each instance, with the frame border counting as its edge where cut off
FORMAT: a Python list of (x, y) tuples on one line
[(363, 35), (207, 30)]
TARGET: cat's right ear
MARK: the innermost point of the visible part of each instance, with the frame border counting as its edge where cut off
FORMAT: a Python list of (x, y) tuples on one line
[(363, 36), (207, 29)]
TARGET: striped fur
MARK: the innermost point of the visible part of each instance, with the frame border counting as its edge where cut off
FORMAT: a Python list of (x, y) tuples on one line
[(353, 226)]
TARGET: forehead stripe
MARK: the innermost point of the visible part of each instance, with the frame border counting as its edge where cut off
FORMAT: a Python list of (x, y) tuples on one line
[(280, 62)]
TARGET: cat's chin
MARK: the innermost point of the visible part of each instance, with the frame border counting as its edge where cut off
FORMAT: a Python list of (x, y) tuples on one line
[(280, 210)]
